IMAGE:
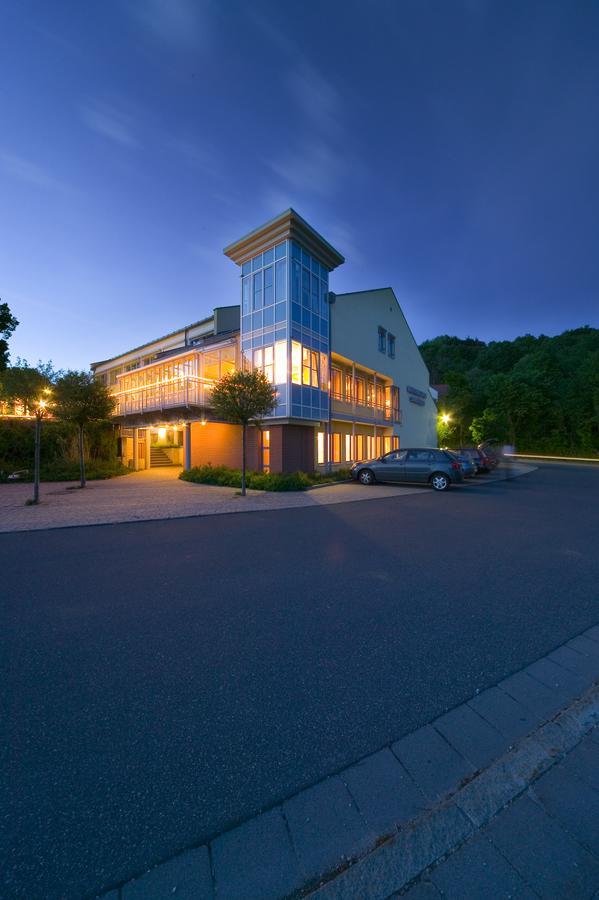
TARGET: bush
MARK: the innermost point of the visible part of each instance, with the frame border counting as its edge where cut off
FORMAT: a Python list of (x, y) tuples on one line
[(260, 481)]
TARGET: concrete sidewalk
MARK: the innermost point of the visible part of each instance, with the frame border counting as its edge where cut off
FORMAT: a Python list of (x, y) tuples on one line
[(498, 797), (159, 494)]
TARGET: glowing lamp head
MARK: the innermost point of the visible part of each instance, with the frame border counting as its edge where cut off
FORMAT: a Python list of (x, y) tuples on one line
[(445, 418), (162, 433)]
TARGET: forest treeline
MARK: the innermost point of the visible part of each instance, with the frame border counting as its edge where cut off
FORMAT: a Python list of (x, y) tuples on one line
[(539, 393)]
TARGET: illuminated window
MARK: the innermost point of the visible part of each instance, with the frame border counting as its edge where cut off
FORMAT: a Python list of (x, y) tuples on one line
[(280, 362), (359, 446), (348, 387), (266, 451), (380, 396), (310, 367), (379, 445), (336, 447), (386, 444), (395, 442), (320, 448), (296, 362), (258, 356), (324, 372), (269, 363), (369, 446), (348, 448), (360, 390), (335, 383), (370, 393)]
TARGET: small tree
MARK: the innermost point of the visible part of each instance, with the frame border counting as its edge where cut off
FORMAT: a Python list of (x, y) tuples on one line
[(79, 399), (8, 323), (243, 397)]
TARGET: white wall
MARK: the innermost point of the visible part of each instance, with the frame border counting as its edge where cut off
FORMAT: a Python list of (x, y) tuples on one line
[(355, 320)]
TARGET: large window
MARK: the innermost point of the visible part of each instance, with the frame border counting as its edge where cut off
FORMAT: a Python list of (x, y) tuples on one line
[(296, 362), (310, 367), (258, 290), (391, 345), (335, 447), (360, 387), (382, 339), (336, 383), (349, 394), (348, 448), (272, 361), (320, 448), (269, 289), (281, 362)]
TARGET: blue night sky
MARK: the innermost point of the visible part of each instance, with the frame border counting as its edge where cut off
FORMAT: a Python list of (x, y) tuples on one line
[(448, 149)]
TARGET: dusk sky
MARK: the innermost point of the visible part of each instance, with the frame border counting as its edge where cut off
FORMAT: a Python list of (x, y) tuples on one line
[(448, 149)]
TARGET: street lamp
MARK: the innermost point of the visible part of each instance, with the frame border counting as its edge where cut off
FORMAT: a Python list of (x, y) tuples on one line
[(40, 411), (445, 418)]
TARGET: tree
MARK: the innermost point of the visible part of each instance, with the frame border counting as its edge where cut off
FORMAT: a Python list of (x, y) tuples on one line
[(243, 397), (80, 400), (24, 385), (8, 323)]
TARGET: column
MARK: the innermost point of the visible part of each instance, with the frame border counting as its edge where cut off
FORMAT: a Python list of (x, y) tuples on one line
[(135, 449), (187, 445)]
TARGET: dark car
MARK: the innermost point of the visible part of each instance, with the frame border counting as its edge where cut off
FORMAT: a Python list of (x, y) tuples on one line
[(421, 465), (469, 467), (480, 459)]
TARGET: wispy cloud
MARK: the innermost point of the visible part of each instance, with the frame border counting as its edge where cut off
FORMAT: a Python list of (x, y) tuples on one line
[(110, 123), (196, 154), (180, 22), (25, 170)]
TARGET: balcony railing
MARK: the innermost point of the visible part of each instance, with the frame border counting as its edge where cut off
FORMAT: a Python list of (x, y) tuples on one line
[(184, 391), (364, 412)]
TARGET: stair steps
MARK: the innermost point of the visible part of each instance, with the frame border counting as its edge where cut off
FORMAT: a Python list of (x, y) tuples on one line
[(159, 457)]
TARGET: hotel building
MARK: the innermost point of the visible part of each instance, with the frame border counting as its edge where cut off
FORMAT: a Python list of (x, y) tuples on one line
[(351, 383)]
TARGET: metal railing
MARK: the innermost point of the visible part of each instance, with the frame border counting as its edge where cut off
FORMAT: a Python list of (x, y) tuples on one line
[(183, 391)]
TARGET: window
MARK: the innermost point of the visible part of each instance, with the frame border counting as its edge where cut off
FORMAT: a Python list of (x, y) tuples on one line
[(336, 447), (395, 402), (320, 448), (266, 451), (258, 291), (370, 393), (380, 401), (269, 363), (348, 387), (310, 367), (324, 372), (306, 288), (280, 362), (296, 277), (395, 442), (360, 390), (245, 294), (269, 293), (391, 345), (315, 294), (280, 279), (348, 448), (359, 446), (335, 383), (386, 444), (382, 339), (296, 362)]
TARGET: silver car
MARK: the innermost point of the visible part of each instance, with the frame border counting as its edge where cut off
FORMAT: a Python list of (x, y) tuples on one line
[(421, 465)]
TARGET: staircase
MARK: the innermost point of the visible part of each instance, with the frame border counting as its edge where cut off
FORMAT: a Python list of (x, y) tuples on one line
[(159, 457)]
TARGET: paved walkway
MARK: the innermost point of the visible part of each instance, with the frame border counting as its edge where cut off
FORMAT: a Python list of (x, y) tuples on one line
[(159, 494), (497, 798)]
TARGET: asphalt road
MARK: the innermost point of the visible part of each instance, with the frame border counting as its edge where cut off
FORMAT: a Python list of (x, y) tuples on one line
[(165, 680)]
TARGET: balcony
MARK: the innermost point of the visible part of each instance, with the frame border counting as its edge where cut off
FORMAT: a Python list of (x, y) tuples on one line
[(181, 392), (377, 414)]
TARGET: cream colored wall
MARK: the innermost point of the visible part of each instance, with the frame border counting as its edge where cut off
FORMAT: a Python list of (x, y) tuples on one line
[(355, 319)]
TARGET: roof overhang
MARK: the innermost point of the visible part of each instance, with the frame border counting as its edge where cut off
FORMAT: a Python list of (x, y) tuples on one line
[(288, 225)]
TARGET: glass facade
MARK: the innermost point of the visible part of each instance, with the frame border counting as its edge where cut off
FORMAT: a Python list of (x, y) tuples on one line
[(285, 327)]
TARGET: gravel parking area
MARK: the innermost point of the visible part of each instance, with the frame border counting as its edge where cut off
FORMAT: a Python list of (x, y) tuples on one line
[(159, 494)]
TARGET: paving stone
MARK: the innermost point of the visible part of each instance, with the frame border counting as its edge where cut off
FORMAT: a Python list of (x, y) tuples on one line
[(326, 827), (436, 766), (471, 735), (478, 871), (579, 663), (541, 701), (567, 685), (503, 712), (585, 645), (572, 802), (186, 876), (384, 792), (482, 798), (592, 633), (583, 762), (548, 859), (255, 860), (421, 890)]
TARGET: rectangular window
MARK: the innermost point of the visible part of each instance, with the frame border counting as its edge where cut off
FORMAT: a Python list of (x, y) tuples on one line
[(369, 446), (268, 256), (257, 263), (296, 280), (281, 362), (324, 373), (320, 448), (269, 288), (391, 345), (280, 280), (359, 446), (395, 442), (258, 291), (379, 445), (309, 367), (306, 288), (245, 296), (387, 444), (336, 383), (382, 339), (315, 294), (296, 362), (280, 251), (370, 393), (266, 451), (380, 396), (324, 296), (335, 447), (269, 363), (348, 387), (348, 448), (258, 359), (360, 391)]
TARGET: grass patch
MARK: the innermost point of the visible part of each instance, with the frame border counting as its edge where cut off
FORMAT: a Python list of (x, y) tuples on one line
[(95, 470), (223, 476)]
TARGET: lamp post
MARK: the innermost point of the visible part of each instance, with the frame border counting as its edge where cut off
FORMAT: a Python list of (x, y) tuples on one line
[(40, 410)]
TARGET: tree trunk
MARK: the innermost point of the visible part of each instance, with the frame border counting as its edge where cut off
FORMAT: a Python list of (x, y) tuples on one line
[(36, 459), (243, 442), (81, 457)]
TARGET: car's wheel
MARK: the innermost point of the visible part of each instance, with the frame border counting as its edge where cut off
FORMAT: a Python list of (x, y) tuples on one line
[(366, 476), (440, 482)]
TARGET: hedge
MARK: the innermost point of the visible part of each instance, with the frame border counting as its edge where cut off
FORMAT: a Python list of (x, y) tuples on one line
[(260, 481)]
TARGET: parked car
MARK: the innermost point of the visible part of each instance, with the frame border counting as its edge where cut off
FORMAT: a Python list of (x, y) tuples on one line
[(492, 450), (482, 462), (421, 465), (468, 465)]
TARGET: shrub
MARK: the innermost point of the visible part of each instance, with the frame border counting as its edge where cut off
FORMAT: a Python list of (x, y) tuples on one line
[(260, 481)]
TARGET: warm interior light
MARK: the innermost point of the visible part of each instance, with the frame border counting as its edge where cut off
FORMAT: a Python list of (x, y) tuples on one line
[(202, 421), (162, 433)]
